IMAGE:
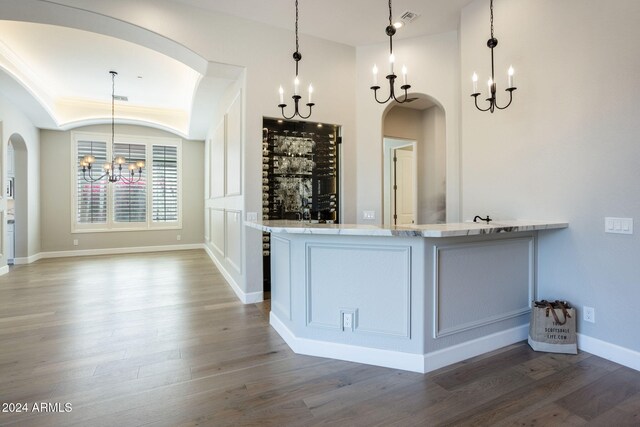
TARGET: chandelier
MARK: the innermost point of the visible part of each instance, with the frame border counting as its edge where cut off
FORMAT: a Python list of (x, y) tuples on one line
[(296, 84), (390, 30), (491, 83), (112, 170)]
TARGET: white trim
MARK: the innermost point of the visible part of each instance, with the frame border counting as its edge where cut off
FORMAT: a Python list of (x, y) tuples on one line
[(27, 260), (245, 298), (439, 333), (421, 363), (351, 353), (615, 353), (115, 251), (4, 270), (459, 352)]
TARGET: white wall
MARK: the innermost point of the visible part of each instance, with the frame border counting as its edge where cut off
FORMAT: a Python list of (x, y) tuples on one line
[(433, 65), (27, 211), (264, 51), (566, 149), (56, 196)]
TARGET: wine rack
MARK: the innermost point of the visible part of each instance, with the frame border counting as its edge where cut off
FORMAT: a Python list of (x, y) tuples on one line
[(300, 164)]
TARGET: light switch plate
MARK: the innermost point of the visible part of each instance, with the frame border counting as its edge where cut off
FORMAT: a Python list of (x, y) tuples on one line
[(618, 225), (369, 214), (252, 216)]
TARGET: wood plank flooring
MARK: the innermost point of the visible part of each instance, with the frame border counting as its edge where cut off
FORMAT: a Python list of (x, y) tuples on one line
[(161, 340)]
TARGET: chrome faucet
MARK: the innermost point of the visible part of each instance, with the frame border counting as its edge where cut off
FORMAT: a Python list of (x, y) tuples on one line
[(478, 217)]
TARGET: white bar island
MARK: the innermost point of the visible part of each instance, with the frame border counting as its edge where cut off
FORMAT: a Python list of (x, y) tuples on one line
[(414, 297)]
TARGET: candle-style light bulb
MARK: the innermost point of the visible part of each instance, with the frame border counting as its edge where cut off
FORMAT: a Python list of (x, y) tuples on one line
[(375, 75), (474, 79), (281, 91), (392, 59), (296, 83), (310, 92), (510, 72), (404, 75)]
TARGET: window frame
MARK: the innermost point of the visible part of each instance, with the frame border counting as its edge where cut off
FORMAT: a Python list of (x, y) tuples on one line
[(111, 225)]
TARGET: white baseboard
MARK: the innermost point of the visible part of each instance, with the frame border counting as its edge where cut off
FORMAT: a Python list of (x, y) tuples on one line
[(350, 353), (244, 297), (421, 363), (27, 260), (4, 270), (459, 352), (612, 352), (116, 251)]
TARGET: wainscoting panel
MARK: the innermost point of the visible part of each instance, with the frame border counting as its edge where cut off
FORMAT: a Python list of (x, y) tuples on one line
[(233, 149), (216, 169), (380, 293), (233, 239), (217, 230), (476, 284), (207, 225)]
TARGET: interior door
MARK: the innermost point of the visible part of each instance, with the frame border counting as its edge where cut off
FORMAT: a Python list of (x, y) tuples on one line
[(403, 186)]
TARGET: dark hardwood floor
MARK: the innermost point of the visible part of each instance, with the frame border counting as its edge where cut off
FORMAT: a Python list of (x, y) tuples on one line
[(160, 340)]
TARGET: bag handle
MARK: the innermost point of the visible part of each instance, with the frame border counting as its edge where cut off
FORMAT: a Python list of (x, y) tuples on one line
[(553, 312)]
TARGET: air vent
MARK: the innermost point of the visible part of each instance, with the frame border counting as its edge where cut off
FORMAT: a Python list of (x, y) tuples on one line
[(120, 98), (408, 17)]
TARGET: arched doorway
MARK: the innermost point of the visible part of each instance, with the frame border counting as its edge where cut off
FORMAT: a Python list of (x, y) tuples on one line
[(416, 128)]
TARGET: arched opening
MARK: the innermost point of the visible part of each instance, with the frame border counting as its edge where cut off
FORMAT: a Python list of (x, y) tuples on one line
[(414, 162), (17, 204)]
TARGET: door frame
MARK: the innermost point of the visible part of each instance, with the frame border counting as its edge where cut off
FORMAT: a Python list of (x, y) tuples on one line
[(388, 145)]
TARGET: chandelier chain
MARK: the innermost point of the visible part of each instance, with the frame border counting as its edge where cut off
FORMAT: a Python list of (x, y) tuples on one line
[(297, 56), (297, 44), (491, 8), (390, 14), (113, 109)]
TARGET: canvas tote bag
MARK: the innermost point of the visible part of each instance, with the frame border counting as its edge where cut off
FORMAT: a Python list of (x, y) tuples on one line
[(553, 327)]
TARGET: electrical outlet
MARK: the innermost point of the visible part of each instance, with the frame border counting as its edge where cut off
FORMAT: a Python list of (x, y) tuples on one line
[(589, 314), (347, 321), (178, 237), (75, 242), (252, 216)]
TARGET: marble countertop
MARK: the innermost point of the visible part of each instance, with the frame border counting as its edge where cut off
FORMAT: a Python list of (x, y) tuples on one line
[(427, 230)]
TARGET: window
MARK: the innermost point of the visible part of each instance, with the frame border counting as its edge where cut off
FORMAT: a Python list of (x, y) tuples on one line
[(92, 196), (130, 200), (153, 202), (165, 183)]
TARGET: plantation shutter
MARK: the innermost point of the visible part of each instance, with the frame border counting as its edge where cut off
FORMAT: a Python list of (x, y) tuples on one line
[(130, 200), (165, 183), (92, 196)]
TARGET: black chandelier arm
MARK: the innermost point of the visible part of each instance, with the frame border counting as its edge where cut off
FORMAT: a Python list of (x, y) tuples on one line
[(392, 92), (90, 178), (493, 102), (296, 112), (510, 90), (475, 96)]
